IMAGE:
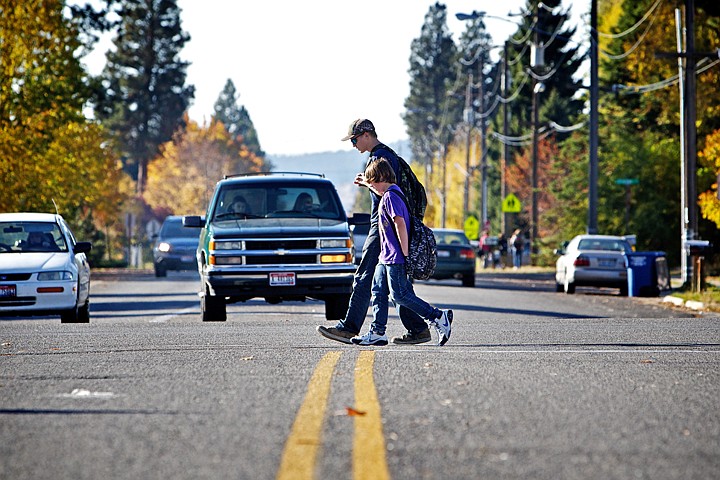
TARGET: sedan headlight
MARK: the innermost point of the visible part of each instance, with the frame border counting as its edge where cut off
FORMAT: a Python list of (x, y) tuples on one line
[(164, 247), (54, 276)]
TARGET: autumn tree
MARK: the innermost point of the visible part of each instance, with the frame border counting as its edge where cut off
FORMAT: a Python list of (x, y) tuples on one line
[(50, 154), (639, 124), (236, 118), (144, 95), (182, 177), (710, 160)]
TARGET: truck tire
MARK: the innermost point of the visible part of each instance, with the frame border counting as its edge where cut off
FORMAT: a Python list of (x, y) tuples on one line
[(212, 308)]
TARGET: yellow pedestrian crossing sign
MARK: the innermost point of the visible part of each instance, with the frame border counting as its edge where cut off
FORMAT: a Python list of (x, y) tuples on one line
[(511, 204), (472, 227)]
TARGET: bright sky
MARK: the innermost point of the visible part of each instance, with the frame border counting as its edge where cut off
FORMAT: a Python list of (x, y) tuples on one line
[(305, 70)]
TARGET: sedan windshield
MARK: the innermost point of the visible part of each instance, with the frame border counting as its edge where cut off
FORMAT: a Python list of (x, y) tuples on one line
[(31, 237)]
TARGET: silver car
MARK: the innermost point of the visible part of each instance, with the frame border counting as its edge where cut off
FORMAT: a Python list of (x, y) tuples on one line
[(594, 261)]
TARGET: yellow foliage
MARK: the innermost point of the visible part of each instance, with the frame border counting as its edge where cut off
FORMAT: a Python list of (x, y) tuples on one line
[(182, 178), (448, 180), (710, 157)]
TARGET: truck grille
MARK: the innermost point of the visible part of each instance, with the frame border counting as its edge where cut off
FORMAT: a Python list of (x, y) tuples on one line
[(280, 259), (286, 244)]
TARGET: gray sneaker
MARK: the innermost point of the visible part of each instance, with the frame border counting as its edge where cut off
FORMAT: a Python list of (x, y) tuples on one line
[(413, 339), (443, 326), (337, 334)]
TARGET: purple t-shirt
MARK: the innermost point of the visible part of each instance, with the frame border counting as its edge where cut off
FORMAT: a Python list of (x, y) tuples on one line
[(391, 205)]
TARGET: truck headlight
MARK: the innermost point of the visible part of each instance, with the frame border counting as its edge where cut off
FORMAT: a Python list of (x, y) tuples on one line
[(336, 243)]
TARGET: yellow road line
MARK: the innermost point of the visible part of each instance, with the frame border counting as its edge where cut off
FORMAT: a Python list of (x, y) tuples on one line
[(298, 460), (369, 461)]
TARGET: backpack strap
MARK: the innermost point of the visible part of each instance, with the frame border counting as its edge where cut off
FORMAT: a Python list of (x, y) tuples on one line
[(409, 229)]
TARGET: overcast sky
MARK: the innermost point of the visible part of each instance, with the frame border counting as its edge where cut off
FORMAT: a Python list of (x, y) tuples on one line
[(305, 70)]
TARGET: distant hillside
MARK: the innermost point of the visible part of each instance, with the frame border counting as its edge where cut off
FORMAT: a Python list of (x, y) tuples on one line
[(340, 167)]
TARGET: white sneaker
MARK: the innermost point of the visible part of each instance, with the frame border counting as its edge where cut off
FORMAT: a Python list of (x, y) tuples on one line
[(443, 325), (370, 338)]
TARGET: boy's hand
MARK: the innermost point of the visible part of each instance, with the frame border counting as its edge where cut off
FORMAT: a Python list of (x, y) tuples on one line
[(360, 180)]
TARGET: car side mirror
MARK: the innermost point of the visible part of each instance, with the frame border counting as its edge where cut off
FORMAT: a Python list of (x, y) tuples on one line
[(193, 221), (82, 247)]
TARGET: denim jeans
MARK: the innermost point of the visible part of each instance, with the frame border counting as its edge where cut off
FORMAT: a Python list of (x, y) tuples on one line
[(391, 282), (362, 283), (517, 257)]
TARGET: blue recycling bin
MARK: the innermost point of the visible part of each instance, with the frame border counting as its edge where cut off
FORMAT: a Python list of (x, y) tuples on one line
[(647, 273)]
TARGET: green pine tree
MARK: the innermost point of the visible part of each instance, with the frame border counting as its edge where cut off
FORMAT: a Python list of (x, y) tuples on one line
[(236, 118), (433, 109), (144, 91)]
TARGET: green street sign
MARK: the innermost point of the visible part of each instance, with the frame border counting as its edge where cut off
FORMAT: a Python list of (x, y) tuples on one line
[(511, 204), (627, 181)]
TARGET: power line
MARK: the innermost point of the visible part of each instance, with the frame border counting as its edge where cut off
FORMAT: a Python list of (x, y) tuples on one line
[(634, 27), (632, 49)]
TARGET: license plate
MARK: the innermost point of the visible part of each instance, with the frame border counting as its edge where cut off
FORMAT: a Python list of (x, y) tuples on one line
[(187, 258), (8, 291), (282, 279), (606, 263), (443, 253)]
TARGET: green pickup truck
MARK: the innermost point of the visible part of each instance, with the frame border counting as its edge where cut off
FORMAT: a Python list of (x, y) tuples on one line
[(280, 236)]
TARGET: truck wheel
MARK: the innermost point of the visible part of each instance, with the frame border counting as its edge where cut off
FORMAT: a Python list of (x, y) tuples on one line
[(213, 308)]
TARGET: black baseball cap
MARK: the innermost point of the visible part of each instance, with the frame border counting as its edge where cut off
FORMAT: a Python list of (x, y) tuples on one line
[(358, 127)]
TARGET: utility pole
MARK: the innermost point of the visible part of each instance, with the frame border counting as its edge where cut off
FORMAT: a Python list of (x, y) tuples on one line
[(537, 60), (690, 116), (592, 227), (483, 141), (469, 119), (506, 147), (688, 132)]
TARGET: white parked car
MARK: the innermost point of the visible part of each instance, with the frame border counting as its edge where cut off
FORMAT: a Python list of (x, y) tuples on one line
[(43, 269), (593, 260)]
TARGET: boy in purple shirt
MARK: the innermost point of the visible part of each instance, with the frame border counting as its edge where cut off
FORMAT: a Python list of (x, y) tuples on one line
[(391, 279)]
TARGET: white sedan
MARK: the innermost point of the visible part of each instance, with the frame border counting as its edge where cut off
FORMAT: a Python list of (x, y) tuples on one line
[(43, 269), (593, 260)]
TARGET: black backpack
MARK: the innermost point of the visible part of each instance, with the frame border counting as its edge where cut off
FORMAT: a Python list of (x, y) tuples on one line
[(415, 196), (422, 259)]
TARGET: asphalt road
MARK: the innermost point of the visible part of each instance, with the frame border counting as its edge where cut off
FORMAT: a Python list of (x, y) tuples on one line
[(532, 384)]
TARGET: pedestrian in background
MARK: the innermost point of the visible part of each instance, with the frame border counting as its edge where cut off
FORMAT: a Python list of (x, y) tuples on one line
[(517, 242)]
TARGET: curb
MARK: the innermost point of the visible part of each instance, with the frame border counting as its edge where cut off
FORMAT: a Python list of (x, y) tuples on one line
[(679, 302)]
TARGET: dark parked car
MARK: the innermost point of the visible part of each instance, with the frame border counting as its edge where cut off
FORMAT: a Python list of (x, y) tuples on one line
[(290, 241), (455, 256), (175, 247)]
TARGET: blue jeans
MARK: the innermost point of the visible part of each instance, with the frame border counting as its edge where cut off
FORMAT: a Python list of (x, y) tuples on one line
[(391, 281), (362, 283), (517, 256)]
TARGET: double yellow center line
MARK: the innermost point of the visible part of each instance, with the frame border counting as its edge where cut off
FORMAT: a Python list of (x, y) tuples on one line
[(302, 446)]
